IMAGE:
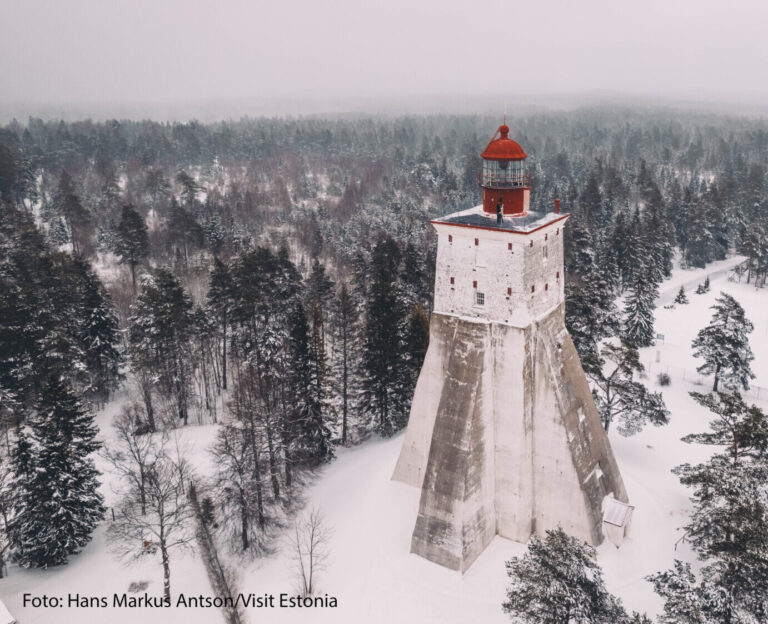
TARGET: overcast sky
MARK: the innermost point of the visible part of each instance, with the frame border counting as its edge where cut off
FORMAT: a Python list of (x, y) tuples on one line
[(111, 51)]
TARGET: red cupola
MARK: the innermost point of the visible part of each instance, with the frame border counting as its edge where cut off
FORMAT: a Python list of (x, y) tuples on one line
[(503, 177)]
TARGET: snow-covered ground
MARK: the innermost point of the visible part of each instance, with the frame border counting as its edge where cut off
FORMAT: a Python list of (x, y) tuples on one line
[(371, 572)]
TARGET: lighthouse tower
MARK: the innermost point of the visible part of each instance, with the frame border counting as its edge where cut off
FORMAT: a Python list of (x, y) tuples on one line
[(504, 436)]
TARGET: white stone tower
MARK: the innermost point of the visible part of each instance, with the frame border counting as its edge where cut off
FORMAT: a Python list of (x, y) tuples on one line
[(503, 437)]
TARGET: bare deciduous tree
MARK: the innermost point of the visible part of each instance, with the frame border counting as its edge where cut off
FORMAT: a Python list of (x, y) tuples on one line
[(136, 450), (165, 521), (310, 542)]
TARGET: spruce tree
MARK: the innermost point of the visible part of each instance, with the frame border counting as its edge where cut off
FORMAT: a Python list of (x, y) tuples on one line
[(99, 337), (347, 356), (319, 287), (579, 249), (316, 430), (132, 241), (416, 343), (724, 345), (638, 312), (700, 243), (383, 353), (308, 429), (590, 316), (681, 297), (59, 505)]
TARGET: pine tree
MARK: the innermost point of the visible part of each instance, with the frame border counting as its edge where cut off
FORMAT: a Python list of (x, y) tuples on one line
[(724, 345), (638, 312), (618, 395), (132, 240), (728, 524), (220, 304), (755, 248), (60, 505), (681, 297), (160, 337), (558, 582), (77, 217)]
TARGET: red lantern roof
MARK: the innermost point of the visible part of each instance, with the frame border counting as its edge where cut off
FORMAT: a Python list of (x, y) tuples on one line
[(503, 148)]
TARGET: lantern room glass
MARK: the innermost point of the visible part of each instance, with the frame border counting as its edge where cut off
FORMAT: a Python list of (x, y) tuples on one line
[(504, 174)]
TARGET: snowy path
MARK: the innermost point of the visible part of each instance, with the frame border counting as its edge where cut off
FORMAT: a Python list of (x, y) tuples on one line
[(690, 279)]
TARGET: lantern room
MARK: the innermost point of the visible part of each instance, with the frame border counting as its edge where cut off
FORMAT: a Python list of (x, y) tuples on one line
[(505, 182)]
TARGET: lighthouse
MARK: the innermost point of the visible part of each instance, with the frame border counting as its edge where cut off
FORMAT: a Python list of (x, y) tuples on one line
[(503, 437)]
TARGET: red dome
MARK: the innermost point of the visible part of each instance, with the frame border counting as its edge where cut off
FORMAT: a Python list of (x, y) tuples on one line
[(503, 148)]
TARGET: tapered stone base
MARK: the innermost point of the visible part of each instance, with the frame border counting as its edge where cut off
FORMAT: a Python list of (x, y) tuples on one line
[(503, 438)]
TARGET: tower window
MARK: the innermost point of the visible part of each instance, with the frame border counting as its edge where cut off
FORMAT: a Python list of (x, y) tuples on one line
[(451, 281), (474, 284), (531, 245), (546, 236), (509, 246), (480, 298), (557, 233), (546, 253), (450, 238), (533, 288), (509, 291), (477, 242), (558, 275), (546, 286)]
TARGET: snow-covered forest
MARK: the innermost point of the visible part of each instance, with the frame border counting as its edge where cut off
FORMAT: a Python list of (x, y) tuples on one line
[(206, 330)]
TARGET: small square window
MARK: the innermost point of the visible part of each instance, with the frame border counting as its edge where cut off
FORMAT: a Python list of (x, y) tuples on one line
[(480, 298)]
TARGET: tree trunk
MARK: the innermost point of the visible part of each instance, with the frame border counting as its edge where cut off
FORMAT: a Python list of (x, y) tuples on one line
[(224, 358), (717, 378), (132, 265), (143, 490), (344, 390), (272, 460), (244, 520), (166, 569), (146, 392), (260, 502)]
